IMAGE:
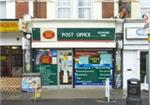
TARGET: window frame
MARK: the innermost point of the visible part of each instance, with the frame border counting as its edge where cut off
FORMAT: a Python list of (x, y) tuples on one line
[(63, 7), (38, 9), (85, 7), (143, 6), (74, 10), (102, 9)]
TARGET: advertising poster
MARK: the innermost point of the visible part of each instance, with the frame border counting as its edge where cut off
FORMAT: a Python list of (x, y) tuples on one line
[(46, 65), (92, 67), (28, 83), (65, 67)]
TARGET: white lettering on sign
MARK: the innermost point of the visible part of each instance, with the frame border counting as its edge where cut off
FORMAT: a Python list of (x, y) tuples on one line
[(103, 32), (87, 34), (66, 34)]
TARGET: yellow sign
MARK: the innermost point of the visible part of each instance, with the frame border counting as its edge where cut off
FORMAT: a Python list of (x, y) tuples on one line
[(9, 26), (3, 58), (148, 38)]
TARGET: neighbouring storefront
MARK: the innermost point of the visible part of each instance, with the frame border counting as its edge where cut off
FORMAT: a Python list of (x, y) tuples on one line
[(11, 54), (73, 56), (135, 53)]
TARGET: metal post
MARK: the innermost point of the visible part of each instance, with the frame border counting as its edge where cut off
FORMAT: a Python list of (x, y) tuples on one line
[(107, 90), (148, 39), (149, 61), (147, 27)]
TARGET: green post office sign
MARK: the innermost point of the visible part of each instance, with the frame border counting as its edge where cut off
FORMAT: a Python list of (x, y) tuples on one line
[(85, 34)]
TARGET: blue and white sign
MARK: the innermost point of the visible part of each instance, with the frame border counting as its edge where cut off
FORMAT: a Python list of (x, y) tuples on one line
[(135, 33), (28, 83)]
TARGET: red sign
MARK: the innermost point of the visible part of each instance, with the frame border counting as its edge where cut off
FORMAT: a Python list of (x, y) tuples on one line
[(146, 19), (45, 59), (48, 34)]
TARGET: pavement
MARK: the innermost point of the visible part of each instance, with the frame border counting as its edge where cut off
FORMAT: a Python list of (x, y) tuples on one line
[(75, 93), (69, 97)]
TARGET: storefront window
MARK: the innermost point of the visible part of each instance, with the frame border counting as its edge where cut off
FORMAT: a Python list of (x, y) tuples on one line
[(45, 62), (144, 67), (11, 58), (92, 67)]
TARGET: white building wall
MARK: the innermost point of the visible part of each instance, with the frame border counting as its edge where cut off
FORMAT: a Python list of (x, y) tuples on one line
[(10, 10), (131, 65), (134, 43), (7, 39), (51, 10), (97, 9), (135, 9), (2, 10)]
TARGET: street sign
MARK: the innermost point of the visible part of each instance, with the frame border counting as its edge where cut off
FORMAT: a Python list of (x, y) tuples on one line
[(25, 43), (146, 19)]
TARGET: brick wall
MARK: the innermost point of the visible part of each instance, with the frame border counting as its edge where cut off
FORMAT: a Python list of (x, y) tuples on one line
[(107, 9), (21, 9)]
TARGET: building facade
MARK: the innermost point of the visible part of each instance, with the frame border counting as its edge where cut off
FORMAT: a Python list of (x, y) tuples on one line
[(136, 48), (76, 35), (74, 53)]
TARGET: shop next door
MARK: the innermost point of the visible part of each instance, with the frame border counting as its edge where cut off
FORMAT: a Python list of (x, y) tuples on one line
[(65, 68)]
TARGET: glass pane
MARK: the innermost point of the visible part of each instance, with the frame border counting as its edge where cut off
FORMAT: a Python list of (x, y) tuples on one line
[(64, 13), (84, 3), (64, 3), (65, 65), (144, 10), (84, 13)]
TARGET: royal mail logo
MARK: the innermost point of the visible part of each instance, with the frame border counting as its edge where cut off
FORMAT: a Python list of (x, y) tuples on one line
[(48, 34)]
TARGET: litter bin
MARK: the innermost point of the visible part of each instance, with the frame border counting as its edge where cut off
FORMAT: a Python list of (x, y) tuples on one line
[(133, 92)]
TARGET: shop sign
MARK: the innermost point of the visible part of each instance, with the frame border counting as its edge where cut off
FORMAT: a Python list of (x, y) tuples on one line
[(46, 65), (9, 26), (36, 34), (135, 33), (28, 83), (3, 58), (25, 43), (48, 34), (66, 34), (45, 59), (94, 60), (48, 74), (93, 70), (93, 76)]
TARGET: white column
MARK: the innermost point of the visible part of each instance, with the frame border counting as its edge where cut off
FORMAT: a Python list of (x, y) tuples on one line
[(97, 9), (31, 9), (10, 10), (74, 9), (51, 10), (116, 8), (135, 9)]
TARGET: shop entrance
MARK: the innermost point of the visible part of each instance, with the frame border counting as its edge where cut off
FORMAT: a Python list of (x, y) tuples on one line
[(65, 68), (11, 58), (144, 70)]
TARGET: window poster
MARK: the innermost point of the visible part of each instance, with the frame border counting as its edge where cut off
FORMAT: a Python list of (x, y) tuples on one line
[(65, 67), (45, 61), (92, 67)]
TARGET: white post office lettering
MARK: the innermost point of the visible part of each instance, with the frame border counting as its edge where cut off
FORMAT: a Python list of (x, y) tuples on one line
[(83, 34), (67, 34)]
